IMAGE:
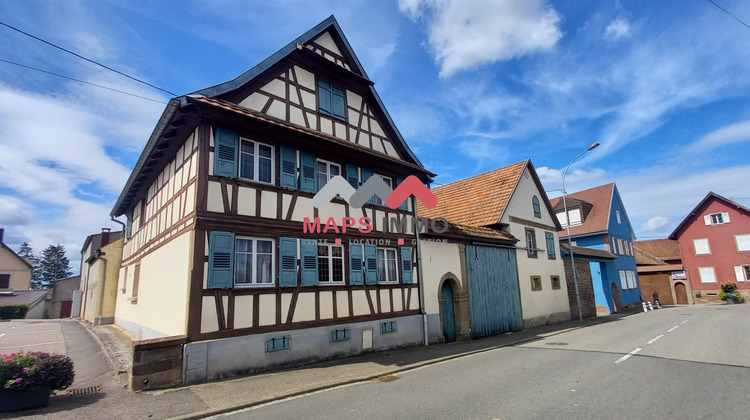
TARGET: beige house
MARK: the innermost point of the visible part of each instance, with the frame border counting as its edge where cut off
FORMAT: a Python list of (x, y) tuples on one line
[(226, 257), (512, 200), (15, 272), (101, 257)]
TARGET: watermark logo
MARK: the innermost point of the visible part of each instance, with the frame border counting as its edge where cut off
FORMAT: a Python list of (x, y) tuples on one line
[(374, 186), (356, 198)]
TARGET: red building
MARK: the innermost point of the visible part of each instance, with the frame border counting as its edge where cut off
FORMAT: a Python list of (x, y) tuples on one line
[(715, 246)]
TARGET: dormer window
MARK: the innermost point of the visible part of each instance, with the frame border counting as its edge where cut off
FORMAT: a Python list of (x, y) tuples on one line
[(573, 214), (537, 208), (331, 100)]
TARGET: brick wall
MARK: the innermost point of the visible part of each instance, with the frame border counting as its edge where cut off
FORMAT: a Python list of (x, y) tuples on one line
[(157, 363), (585, 289)]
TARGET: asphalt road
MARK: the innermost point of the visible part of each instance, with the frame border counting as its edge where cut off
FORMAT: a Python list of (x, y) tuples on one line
[(681, 362)]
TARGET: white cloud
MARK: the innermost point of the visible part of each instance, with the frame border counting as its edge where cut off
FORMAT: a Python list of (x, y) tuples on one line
[(13, 212), (734, 133), (576, 180), (464, 34), (654, 223), (619, 28)]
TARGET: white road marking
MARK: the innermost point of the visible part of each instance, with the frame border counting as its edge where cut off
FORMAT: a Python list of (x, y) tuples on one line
[(32, 345), (684, 321), (673, 328), (627, 356), (654, 339), (1, 335)]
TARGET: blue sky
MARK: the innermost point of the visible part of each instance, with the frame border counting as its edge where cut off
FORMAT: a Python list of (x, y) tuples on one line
[(472, 85)]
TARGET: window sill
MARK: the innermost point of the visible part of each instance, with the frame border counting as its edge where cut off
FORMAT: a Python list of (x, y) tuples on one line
[(133, 299)]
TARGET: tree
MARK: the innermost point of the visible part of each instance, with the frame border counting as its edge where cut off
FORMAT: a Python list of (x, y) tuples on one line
[(54, 265), (27, 253)]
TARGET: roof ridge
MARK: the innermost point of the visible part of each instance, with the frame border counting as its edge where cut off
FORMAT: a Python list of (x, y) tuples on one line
[(480, 174)]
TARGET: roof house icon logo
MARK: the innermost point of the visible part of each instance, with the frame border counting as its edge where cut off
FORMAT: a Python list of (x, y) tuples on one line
[(374, 186)]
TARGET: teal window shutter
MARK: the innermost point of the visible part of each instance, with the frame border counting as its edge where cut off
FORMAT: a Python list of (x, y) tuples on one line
[(337, 103), (220, 260), (225, 152), (288, 262), (366, 174), (324, 97), (405, 205), (356, 275), (550, 245), (288, 167), (307, 179), (352, 175), (129, 223), (371, 264), (309, 253), (406, 266)]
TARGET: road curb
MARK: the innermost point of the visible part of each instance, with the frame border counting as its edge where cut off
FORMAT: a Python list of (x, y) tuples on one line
[(224, 410)]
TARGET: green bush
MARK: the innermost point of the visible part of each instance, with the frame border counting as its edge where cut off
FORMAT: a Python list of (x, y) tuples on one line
[(728, 287), (13, 311)]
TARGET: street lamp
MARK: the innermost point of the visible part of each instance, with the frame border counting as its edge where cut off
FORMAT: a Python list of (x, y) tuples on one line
[(567, 225)]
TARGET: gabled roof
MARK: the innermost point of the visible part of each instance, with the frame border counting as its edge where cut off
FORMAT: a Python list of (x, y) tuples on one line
[(95, 240), (661, 249), (597, 220), (175, 105), (711, 196), (481, 200), (6, 247)]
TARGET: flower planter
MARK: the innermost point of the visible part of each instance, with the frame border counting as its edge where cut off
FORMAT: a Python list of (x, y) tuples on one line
[(15, 400)]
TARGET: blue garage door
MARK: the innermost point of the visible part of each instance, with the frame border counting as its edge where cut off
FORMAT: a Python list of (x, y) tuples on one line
[(494, 298)]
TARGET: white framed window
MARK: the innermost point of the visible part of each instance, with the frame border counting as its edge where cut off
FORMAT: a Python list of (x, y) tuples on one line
[(716, 218), (253, 261), (617, 215), (389, 182), (387, 265), (614, 246), (537, 207), (707, 274), (325, 170), (743, 242), (630, 245), (573, 214), (701, 246), (623, 280), (330, 264), (256, 161), (630, 275), (742, 273)]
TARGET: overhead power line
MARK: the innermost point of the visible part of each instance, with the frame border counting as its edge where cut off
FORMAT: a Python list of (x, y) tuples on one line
[(87, 59), (730, 14), (82, 81)]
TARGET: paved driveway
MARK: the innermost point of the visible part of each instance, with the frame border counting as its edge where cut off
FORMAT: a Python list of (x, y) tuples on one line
[(32, 335)]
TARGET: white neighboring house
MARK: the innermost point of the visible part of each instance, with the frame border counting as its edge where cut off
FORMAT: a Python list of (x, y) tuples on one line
[(512, 199)]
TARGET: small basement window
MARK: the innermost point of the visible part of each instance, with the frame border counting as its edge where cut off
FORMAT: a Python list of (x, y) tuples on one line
[(388, 327), (278, 344), (340, 335)]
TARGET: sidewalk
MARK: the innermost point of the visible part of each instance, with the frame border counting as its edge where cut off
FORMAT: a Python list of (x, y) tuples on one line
[(198, 401)]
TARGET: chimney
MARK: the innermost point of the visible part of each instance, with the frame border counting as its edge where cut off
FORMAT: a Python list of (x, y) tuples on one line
[(1, 235), (105, 236)]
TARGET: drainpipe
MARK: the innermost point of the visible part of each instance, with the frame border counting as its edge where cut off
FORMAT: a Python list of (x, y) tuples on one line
[(100, 310), (420, 277), (119, 222)]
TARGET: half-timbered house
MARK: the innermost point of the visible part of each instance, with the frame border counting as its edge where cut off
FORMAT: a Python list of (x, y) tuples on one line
[(224, 246)]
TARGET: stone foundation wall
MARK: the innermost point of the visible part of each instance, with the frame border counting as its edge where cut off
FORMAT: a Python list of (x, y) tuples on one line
[(157, 363)]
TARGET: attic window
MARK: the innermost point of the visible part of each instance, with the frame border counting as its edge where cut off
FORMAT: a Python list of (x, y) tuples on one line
[(537, 207), (573, 214), (716, 218), (331, 100)]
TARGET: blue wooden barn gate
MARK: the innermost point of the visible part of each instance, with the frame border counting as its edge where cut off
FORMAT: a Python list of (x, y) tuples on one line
[(494, 298)]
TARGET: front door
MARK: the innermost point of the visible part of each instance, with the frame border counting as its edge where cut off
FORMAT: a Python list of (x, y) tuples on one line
[(449, 320), (66, 307), (681, 292), (615, 297)]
